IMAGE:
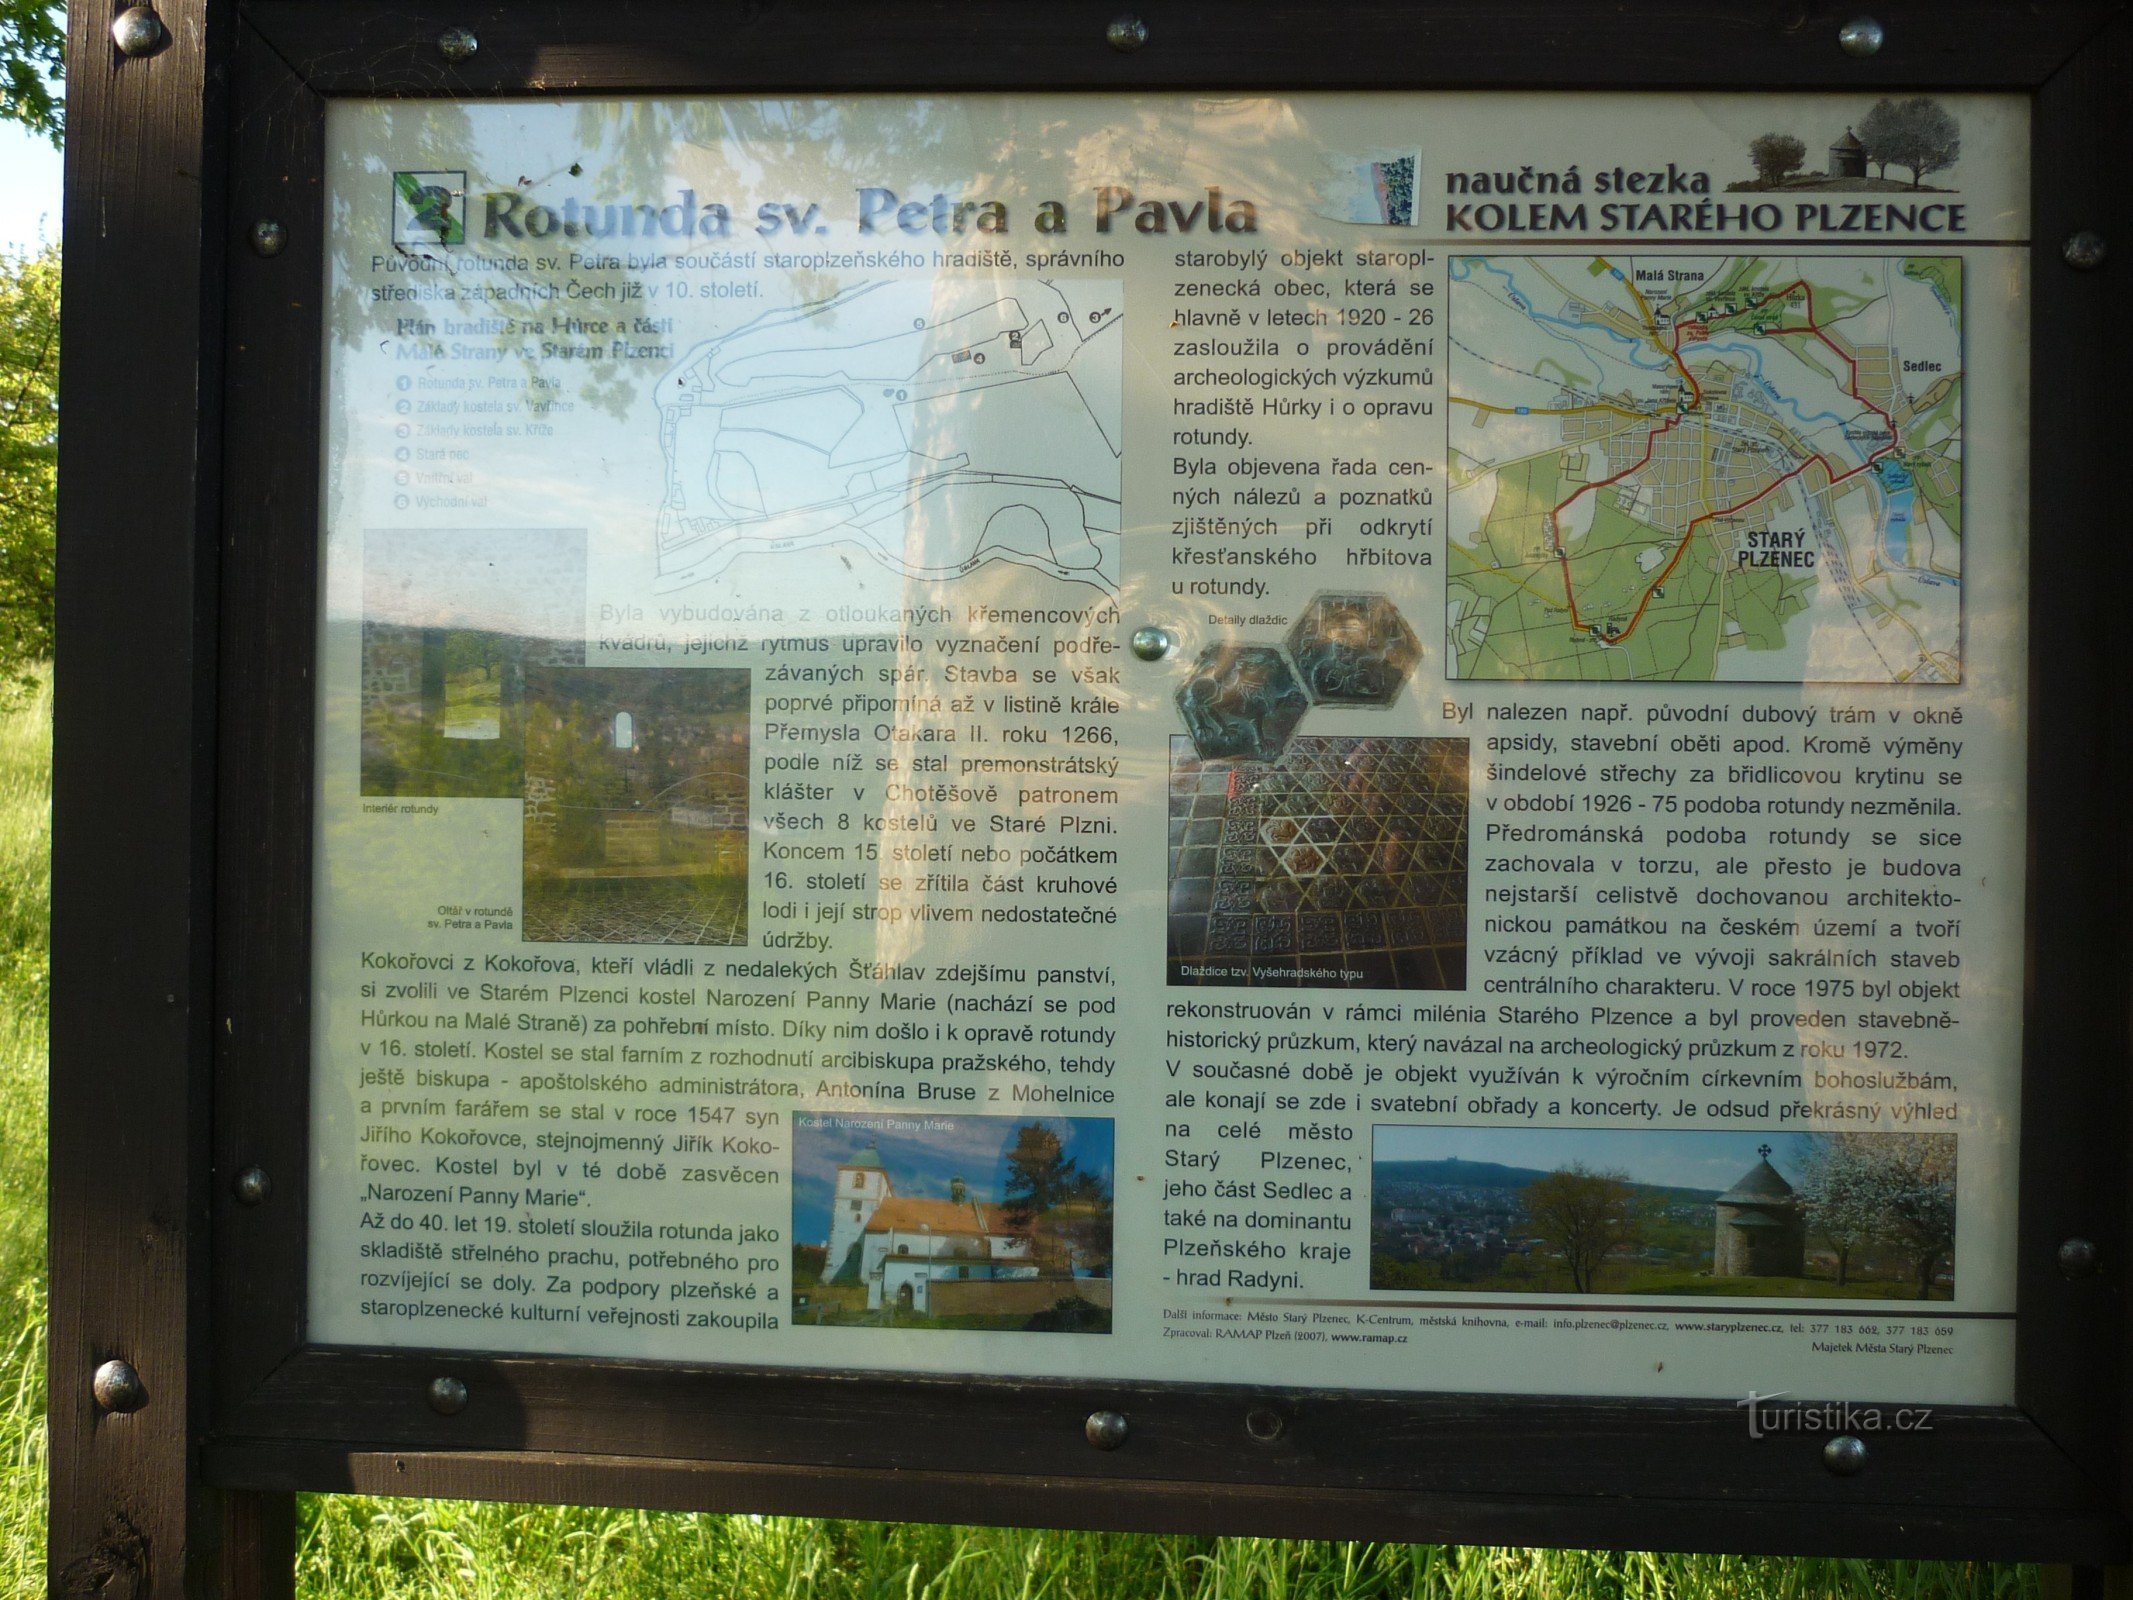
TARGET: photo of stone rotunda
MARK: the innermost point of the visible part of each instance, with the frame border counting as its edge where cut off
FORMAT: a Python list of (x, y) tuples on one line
[(1759, 1231), (1718, 1211)]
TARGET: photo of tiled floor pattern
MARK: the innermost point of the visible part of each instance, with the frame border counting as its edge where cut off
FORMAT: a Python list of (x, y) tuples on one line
[(1346, 855), (679, 910)]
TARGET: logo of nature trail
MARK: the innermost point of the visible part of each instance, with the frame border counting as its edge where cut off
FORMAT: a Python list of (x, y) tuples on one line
[(429, 208)]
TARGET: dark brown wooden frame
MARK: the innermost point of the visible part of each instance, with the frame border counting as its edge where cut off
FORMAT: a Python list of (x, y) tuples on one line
[(181, 927)]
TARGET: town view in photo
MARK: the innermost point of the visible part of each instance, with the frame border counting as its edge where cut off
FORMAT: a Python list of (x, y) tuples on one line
[(1606, 1211)]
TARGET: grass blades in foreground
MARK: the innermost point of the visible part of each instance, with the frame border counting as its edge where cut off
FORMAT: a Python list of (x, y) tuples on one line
[(25, 986), (405, 1549)]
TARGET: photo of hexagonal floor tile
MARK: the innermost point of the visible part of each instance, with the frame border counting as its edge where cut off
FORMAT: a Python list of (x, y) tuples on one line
[(1241, 700), (1353, 650), (1341, 865)]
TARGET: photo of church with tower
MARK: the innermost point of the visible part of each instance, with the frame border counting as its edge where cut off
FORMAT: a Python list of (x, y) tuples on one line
[(899, 1246), (984, 1223)]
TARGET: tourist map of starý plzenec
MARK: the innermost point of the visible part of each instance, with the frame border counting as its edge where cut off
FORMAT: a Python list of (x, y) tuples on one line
[(1700, 468)]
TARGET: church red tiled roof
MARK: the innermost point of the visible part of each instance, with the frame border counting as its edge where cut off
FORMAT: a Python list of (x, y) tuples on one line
[(970, 1218)]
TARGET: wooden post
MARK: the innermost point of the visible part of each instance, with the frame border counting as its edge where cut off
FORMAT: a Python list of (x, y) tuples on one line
[(132, 1001)]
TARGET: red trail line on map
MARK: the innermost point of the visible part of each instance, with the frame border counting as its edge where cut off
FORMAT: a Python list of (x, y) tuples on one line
[(1652, 443)]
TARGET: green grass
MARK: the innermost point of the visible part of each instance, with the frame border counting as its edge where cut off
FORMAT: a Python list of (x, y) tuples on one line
[(357, 1549), (25, 984), (400, 1550)]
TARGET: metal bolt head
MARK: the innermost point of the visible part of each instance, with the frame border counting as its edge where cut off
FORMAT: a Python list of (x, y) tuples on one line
[(138, 31), (2077, 1258), (1105, 1429), (448, 1396), (457, 44), (269, 238), (1264, 1424), (1126, 34), (252, 1186), (2084, 251), (1152, 644), (117, 1387), (1845, 1455), (1861, 36)]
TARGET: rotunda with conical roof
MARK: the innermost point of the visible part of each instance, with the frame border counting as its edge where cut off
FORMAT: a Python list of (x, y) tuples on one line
[(1847, 157), (1759, 1231)]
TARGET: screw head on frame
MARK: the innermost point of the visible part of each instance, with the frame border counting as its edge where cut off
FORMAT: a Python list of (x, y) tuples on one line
[(2084, 251), (118, 1387), (2077, 1258), (1845, 1455), (138, 31), (1861, 36)]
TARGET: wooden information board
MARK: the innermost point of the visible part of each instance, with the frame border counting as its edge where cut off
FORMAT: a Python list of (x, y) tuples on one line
[(1215, 770)]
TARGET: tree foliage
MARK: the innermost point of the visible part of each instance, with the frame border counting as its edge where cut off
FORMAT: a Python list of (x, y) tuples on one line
[(1921, 1202), (1887, 1192), (1588, 1216), (1085, 1224), (1777, 156), (1040, 1174), (29, 459), (476, 650), (1917, 133), (33, 42), (1840, 1193), (1877, 131), (1067, 1211)]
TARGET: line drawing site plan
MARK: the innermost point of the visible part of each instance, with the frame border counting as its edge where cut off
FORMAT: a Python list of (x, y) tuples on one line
[(1706, 467), (934, 426)]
